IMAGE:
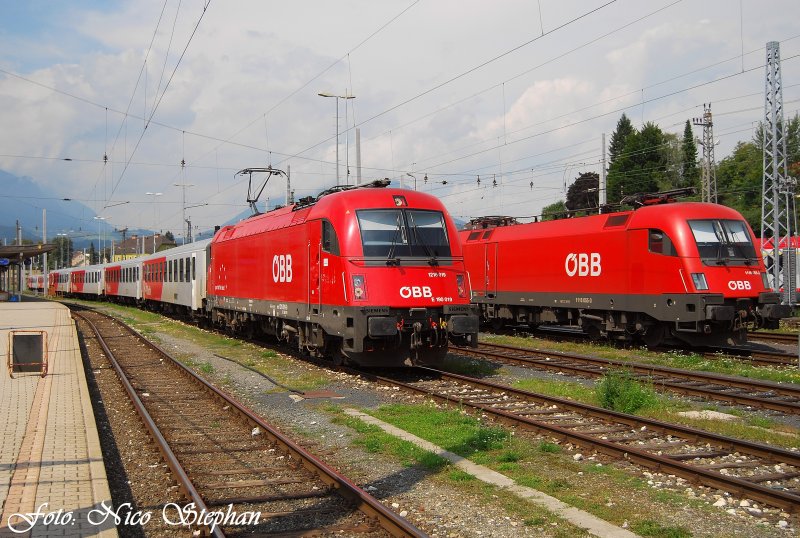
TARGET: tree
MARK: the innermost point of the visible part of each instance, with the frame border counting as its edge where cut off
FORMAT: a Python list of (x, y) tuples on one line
[(554, 210), (641, 166), (169, 236), (92, 254), (618, 138), (690, 172), (62, 255), (583, 193), (739, 182)]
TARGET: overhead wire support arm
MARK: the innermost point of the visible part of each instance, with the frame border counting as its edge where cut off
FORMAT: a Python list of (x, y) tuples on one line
[(251, 198)]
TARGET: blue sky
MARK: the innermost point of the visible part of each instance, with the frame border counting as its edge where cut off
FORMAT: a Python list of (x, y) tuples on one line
[(519, 91)]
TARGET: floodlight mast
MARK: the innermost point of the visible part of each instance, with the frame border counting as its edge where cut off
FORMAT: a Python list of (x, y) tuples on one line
[(251, 198)]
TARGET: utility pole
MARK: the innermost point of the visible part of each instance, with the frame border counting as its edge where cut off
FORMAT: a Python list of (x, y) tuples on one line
[(777, 215), (183, 203), (601, 194), (709, 176)]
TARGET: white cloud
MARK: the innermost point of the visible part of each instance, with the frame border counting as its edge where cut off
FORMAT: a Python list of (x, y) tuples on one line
[(247, 57)]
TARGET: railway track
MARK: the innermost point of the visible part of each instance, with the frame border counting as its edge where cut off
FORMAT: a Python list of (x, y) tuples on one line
[(783, 338), (756, 357), (783, 398), (227, 460), (749, 470)]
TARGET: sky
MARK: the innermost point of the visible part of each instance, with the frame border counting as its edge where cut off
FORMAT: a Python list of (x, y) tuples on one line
[(103, 100)]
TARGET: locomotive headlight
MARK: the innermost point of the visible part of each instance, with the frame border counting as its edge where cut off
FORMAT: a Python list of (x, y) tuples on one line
[(462, 290), (765, 280), (359, 287), (699, 280)]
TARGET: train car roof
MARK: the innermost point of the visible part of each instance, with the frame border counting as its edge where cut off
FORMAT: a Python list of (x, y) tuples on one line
[(654, 216)]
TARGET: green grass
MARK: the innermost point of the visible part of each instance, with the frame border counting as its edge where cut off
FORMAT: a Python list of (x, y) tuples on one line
[(654, 529), (619, 391), (674, 359), (452, 430)]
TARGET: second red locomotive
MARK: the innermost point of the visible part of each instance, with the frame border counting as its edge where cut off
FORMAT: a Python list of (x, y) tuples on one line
[(672, 273)]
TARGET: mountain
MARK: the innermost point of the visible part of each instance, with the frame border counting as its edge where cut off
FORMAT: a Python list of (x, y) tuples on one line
[(22, 199)]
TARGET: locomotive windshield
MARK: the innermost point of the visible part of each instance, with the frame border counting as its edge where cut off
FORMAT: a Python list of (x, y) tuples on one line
[(391, 234), (722, 242)]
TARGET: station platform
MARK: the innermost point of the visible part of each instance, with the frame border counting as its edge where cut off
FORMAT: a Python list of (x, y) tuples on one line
[(51, 465)]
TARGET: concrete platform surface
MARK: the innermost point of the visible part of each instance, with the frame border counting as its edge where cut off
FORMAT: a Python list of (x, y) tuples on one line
[(51, 466)]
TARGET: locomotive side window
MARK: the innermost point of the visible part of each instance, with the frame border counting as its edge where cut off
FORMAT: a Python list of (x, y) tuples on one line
[(473, 236), (330, 242), (660, 243), (722, 242)]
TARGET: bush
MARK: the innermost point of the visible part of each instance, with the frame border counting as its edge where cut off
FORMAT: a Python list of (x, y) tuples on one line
[(619, 391)]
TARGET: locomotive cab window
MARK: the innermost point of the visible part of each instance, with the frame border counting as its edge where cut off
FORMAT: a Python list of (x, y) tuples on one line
[(660, 243), (723, 242), (330, 242), (392, 234)]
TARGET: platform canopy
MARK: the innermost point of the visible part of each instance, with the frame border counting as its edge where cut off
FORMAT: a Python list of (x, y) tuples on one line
[(16, 254)]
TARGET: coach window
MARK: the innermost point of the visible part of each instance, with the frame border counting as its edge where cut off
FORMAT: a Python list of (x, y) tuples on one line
[(174, 270), (180, 270), (194, 269), (169, 271), (188, 272), (330, 242), (660, 243)]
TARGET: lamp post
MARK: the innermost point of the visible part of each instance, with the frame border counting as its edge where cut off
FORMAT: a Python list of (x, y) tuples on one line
[(61, 258), (183, 205), (99, 244), (337, 97), (154, 194)]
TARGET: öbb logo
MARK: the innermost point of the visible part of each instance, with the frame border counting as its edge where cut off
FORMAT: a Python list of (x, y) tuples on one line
[(739, 285), (282, 268), (583, 264), (406, 292)]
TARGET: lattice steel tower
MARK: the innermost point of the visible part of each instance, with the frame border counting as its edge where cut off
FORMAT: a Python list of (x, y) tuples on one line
[(709, 175), (777, 214)]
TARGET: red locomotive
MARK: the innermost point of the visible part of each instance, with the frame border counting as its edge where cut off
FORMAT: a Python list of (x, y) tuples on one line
[(374, 276), (668, 273), (370, 275)]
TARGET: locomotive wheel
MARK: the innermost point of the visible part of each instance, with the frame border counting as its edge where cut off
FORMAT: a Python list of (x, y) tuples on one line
[(654, 335), (497, 323)]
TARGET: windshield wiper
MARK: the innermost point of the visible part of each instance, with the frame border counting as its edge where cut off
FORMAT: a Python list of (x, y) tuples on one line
[(431, 256), (392, 260)]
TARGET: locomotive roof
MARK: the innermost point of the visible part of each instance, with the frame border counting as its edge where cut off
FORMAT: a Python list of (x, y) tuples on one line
[(654, 216), (331, 206)]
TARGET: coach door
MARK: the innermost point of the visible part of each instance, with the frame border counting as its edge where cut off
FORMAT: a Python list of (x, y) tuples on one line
[(490, 280)]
